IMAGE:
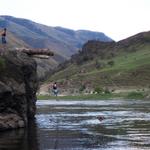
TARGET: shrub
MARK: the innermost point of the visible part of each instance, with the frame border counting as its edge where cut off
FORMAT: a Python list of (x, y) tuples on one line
[(2, 63), (82, 88), (135, 95), (99, 64), (107, 91), (111, 63), (98, 90)]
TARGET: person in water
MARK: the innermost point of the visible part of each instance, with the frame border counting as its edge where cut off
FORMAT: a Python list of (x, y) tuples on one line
[(55, 89), (100, 118)]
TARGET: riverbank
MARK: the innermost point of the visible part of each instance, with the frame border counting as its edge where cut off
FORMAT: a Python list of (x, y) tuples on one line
[(106, 96)]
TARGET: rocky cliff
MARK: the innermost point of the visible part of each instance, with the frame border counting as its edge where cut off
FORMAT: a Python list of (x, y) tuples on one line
[(18, 86)]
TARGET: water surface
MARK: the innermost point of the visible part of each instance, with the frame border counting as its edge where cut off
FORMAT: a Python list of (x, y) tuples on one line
[(73, 125)]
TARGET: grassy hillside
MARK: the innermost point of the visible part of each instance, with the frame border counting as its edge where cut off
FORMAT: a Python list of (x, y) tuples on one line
[(121, 65)]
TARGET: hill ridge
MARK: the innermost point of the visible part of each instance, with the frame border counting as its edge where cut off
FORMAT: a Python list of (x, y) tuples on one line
[(64, 41)]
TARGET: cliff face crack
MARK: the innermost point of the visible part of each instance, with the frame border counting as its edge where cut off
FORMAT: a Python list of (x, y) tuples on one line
[(18, 86)]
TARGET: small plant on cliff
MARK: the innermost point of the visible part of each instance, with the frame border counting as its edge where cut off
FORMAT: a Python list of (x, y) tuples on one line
[(2, 63)]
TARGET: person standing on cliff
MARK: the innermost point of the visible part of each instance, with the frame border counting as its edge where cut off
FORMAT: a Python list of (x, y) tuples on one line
[(3, 35)]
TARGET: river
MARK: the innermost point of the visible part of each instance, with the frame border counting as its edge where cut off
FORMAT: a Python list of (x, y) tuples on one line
[(73, 125)]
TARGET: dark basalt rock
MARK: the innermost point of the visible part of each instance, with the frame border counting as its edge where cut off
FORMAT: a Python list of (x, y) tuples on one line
[(18, 86)]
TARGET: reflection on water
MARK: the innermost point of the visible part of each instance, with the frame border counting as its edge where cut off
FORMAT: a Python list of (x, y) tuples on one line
[(21, 139), (73, 125)]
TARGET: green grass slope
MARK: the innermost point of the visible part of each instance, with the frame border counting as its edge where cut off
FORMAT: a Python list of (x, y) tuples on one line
[(124, 65)]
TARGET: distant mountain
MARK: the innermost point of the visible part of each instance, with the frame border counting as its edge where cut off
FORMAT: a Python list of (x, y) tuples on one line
[(61, 40), (113, 65)]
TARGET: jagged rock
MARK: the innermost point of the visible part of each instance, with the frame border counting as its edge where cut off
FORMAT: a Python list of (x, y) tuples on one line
[(18, 86)]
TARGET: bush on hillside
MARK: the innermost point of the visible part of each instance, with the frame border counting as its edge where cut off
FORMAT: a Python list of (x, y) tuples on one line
[(98, 90), (107, 91), (82, 88), (2, 63), (135, 95), (99, 65), (111, 63)]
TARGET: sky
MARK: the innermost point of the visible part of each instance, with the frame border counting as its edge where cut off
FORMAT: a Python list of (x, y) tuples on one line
[(118, 19)]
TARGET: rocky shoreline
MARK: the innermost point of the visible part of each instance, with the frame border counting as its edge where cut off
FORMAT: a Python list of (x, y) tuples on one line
[(11, 121)]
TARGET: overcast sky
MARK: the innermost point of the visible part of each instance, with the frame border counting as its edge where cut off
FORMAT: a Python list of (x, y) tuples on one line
[(118, 19)]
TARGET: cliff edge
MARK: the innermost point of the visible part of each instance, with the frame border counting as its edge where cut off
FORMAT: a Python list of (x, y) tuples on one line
[(18, 86)]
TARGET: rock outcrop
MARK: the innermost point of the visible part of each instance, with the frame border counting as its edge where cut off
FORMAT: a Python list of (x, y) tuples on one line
[(18, 86)]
